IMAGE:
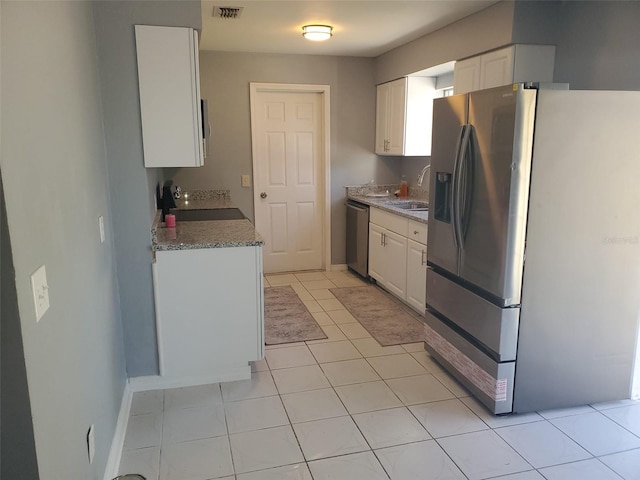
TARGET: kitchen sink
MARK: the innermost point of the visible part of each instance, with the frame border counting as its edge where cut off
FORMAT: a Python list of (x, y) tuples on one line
[(409, 205), (210, 214)]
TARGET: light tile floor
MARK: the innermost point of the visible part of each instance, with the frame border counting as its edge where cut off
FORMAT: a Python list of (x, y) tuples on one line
[(346, 408)]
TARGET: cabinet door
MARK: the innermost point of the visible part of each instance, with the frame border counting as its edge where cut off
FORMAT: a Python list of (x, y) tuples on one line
[(376, 253), (382, 115), (169, 96), (396, 116), (416, 275), (419, 116), (496, 68), (466, 75), (395, 254), (211, 326)]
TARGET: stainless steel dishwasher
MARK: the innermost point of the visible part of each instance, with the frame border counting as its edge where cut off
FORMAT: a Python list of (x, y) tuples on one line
[(358, 237)]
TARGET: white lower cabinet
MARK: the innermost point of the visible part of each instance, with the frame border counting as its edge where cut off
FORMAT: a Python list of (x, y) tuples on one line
[(387, 258), (396, 262), (416, 275), (209, 313), (377, 263)]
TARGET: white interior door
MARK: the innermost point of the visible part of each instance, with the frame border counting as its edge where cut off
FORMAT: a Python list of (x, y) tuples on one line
[(288, 179)]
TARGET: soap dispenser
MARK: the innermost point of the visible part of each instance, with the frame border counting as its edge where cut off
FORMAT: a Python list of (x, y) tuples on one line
[(404, 187)]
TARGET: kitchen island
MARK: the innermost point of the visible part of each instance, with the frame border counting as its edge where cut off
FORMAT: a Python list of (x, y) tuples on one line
[(208, 292)]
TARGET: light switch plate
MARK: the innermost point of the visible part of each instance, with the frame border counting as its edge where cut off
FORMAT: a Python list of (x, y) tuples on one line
[(40, 291), (246, 181)]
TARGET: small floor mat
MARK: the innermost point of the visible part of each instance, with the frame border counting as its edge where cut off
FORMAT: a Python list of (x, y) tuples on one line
[(286, 319), (386, 319)]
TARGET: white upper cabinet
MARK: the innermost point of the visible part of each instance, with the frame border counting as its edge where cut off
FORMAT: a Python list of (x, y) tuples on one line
[(466, 75), (497, 68), (168, 79), (514, 64), (404, 116)]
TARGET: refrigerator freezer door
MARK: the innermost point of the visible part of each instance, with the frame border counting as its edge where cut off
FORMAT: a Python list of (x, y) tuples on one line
[(449, 116), (490, 382), (495, 329), (494, 213)]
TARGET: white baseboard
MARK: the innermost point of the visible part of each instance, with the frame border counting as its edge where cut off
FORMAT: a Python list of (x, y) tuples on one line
[(157, 382), (115, 452)]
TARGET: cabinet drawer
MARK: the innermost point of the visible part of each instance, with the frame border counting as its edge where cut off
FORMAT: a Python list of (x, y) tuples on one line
[(392, 222), (417, 232)]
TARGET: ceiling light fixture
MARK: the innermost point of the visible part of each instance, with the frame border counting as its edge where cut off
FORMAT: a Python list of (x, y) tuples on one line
[(317, 33)]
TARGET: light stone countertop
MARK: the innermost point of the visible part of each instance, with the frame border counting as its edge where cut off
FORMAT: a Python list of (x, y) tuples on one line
[(204, 234), (381, 203)]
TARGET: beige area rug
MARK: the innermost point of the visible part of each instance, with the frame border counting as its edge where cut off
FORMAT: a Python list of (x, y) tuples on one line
[(286, 319), (386, 319)]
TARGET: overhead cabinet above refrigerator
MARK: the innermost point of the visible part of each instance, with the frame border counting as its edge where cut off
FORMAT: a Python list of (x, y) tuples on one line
[(528, 302), (513, 64)]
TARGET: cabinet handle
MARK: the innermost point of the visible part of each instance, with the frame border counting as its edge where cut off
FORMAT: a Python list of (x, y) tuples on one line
[(423, 258), (416, 232), (263, 195), (384, 239)]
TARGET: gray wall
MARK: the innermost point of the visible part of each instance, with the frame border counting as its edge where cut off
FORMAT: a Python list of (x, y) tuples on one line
[(488, 29), (598, 45), (537, 22), (225, 79), (132, 186), (55, 180), (17, 445)]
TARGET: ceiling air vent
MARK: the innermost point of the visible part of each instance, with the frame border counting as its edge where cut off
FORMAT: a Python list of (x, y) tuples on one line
[(227, 12)]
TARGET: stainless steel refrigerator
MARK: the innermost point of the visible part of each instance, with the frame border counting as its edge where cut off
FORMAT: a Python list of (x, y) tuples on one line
[(533, 285)]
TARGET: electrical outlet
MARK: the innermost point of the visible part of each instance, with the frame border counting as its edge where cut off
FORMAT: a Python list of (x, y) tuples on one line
[(91, 443), (246, 181), (40, 291), (101, 227)]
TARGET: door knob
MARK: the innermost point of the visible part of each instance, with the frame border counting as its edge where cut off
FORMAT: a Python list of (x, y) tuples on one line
[(263, 195)]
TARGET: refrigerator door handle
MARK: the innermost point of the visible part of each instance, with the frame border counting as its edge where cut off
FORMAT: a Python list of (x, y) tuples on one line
[(465, 188), (458, 184), (454, 183)]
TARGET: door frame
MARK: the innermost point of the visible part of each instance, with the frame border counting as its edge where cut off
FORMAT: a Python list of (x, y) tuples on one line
[(325, 156)]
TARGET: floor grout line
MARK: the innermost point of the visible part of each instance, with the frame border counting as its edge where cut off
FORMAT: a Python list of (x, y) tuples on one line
[(494, 429)]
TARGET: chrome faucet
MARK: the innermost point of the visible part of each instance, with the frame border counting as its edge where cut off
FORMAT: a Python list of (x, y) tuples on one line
[(422, 174)]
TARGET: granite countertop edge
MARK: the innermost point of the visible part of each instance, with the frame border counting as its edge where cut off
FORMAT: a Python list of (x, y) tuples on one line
[(380, 202), (204, 234)]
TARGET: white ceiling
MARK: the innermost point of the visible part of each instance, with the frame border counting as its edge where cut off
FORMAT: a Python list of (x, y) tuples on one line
[(365, 28)]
